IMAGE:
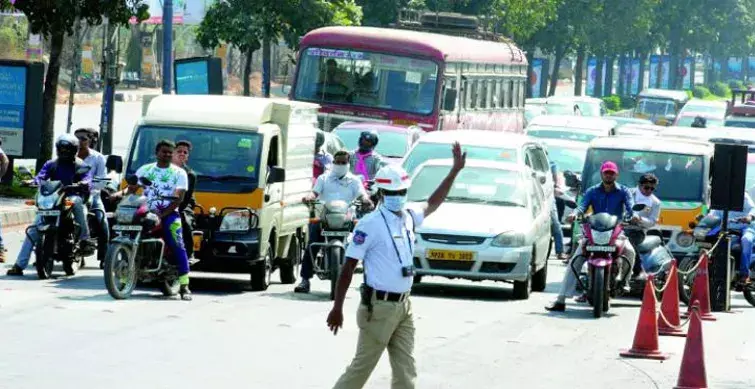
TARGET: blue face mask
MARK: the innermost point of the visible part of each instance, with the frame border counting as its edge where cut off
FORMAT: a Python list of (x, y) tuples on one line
[(394, 203)]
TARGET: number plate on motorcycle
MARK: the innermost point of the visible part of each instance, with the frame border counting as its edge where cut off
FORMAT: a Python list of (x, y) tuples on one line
[(704, 245), (48, 213), (126, 228), (604, 249), (335, 233)]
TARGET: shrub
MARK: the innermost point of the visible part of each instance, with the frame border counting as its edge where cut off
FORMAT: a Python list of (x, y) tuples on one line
[(736, 84), (628, 102), (613, 102), (721, 89), (701, 92)]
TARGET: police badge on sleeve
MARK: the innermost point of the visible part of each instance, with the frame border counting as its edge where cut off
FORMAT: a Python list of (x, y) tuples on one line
[(359, 237)]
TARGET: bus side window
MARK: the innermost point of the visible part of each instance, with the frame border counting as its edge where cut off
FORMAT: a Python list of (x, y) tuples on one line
[(483, 94), (467, 93), (510, 99), (522, 86), (448, 83), (473, 94), (489, 97)]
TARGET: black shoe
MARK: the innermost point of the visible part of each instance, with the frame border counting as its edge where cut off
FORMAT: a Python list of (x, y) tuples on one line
[(87, 247), (15, 271), (556, 307), (303, 287), (185, 293)]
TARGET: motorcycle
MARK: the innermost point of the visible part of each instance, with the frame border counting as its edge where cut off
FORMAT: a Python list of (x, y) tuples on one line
[(655, 258), (605, 259), (57, 230), (337, 220), (138, 253), (707, 232)]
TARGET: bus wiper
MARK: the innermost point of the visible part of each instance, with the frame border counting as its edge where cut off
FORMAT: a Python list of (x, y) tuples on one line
[(505, 203), (462, 199)]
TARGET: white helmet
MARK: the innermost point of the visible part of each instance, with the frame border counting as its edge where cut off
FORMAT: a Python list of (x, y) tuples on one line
[(392, 178)]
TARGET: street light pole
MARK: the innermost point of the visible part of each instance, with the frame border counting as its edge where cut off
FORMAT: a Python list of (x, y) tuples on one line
[(74, 70), (111, 70), (167, 46)]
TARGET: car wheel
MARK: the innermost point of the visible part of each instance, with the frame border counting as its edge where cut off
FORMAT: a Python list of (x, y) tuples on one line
[(540, 279)]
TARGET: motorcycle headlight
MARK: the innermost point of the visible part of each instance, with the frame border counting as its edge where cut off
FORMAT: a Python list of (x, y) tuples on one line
[(236, 221), (125, 215), (601, 237), (46, 202), (508, 239), (337, 221), (685, 239)]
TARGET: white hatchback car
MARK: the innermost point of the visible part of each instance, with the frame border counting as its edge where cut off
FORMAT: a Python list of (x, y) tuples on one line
[(494, 225)]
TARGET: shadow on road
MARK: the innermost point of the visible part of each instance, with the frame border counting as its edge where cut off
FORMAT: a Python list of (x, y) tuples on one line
[(463, 292), (311, 296)]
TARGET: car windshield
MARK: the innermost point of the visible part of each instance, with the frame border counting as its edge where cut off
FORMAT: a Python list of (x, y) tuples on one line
[(472, 185), (390, 143), (741, 123), (680, 176), (589, 109), (686, 121), (367, 79), (559, 109), (571, 159), (425, 151), (691, 107), (219, 158), (560, 133), (656, 107)]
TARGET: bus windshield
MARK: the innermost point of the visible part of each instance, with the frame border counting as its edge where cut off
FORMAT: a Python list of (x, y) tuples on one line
[(222, 160), (680, 176), (367, 79), (656, 107)]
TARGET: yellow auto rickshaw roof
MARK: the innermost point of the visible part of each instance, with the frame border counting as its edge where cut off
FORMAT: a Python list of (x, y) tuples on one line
[(644, 143)]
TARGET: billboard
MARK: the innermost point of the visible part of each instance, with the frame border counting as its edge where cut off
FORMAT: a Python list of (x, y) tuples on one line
[(655, 61), (184, 11), (592, 64), (198, 76), (12, 108), (734, 68), (687, 71), (536, 77), (635, 90), (665, 71)]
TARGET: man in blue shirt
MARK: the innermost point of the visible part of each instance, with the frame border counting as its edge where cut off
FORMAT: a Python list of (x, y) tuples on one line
[(609, 197), (742, 221)]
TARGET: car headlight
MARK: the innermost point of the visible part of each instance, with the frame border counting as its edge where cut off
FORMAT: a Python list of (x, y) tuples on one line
[(237, 221), (46, 202), (685, 239), (508, 239)]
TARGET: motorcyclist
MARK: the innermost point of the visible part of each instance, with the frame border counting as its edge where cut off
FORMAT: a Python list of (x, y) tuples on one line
[(323, 160), (699, 122), (64, 169), (335, 184), (167, 180), (365, 161), (96, 161), (742, 222), (643, 194), (608, 196), (186, 209)]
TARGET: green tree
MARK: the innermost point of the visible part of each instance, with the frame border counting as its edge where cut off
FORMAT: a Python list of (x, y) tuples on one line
[(56, 19), (246, 24)]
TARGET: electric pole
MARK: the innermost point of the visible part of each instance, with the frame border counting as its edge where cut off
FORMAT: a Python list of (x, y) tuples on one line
[(111, 70), (75, 70), (167, 46)]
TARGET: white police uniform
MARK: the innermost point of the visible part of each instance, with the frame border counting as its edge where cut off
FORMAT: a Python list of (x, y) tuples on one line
[(391, 323), (329, 187)]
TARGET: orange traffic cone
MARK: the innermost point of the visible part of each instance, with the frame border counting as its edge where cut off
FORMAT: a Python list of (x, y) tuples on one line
[(670, 306), (645, 343), (692, 372), (701, 291)]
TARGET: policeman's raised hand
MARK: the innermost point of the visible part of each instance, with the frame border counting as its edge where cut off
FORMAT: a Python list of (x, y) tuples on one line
[(335, 320), (460, 158)]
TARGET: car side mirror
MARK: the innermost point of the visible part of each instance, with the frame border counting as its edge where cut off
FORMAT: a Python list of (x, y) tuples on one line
[(132, 179), (449, 100), (639, 207), (83, 169), (570, 179), (114, 162), (276, 174)]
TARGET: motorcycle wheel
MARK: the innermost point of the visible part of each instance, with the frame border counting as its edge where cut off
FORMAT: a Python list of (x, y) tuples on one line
[(262, 270), (44, 260), (169, 287), (120, 271), (685, 281), (598, 291), (334, 269)]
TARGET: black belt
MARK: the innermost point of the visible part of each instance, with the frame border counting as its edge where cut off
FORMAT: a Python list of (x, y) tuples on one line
[(389, 296)]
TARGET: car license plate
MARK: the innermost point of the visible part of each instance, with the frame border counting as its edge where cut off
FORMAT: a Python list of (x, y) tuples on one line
[(705, 245), (126, 228), (48, 213), (604, 249), (450, 255), (335, 233)]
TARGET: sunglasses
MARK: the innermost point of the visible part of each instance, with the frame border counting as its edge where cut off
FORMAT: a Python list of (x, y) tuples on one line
[(649, 188), (82, 138)]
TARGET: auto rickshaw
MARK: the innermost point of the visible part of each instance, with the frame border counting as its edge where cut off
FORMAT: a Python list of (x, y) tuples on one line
[(682, 168), (660, 106)]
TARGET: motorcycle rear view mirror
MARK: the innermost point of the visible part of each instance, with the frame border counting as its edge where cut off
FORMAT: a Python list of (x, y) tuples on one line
[(145, 181), (570, 179), (84, 169), (569, 203), (639, 207), (132, 180), (24, 173)]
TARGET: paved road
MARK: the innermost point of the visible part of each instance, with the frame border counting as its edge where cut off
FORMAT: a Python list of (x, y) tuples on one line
[(68, 333)]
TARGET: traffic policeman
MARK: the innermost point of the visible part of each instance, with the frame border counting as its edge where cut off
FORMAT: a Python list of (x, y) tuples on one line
[(384, 241)]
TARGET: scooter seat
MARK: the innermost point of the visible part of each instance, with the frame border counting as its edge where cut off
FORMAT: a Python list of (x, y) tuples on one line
[(649, 243)]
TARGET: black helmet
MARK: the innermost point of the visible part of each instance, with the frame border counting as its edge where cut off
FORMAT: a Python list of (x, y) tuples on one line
[(319, 140), (369, 136), (66, 147), (699, 122)]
